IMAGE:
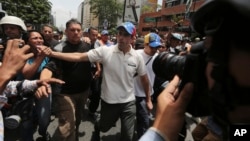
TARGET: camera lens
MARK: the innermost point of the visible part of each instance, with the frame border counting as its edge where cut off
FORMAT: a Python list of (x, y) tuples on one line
[(166, 65), (12, 122)]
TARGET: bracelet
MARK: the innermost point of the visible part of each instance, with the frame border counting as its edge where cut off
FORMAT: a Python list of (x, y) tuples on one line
[(160, 133)]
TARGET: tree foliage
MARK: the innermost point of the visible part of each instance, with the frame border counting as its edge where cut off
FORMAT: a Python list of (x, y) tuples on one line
[(32, 11), (110, 10), (147, 9)]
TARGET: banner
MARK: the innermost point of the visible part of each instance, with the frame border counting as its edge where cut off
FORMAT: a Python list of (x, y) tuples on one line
[(132, 10)]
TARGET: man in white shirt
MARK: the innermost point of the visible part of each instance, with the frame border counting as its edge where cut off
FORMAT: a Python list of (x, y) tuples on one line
[(152, 42), (120, 63)]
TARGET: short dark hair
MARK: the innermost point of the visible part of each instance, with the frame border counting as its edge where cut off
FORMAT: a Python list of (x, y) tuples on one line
[(29, 24), (47, 25), (27, 34), (155, 30), (72, 21), (92, 28)]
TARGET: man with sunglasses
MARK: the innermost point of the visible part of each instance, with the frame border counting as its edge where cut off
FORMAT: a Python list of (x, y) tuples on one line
[(120, 64)]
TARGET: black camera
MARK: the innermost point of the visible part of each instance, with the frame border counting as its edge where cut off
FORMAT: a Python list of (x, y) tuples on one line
[(20, 109), (190, 68)]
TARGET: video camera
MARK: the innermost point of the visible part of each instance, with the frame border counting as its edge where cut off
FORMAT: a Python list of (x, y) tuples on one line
[(20, 108), (190, 68)]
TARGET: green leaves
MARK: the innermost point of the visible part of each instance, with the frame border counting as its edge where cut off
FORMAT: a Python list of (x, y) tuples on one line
[(107, 9), (32, 11)]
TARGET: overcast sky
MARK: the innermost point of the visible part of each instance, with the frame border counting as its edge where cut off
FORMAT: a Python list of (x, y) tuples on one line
[(63, 10)]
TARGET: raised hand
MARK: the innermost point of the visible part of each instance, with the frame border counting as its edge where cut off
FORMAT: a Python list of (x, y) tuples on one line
[(171, 108), (15, 56)]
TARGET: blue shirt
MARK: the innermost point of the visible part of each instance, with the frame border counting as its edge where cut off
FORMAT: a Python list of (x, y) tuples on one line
[(37, 75), (151, 135)]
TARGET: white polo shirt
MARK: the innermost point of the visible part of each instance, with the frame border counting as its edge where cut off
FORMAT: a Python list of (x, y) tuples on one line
[(139, 90), (118, 72)]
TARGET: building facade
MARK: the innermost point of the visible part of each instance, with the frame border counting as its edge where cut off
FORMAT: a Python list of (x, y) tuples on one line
[(173, 16), (85, 16)]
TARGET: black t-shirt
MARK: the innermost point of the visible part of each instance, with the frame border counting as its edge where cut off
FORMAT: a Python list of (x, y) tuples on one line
[(77, 75), (51, 43)]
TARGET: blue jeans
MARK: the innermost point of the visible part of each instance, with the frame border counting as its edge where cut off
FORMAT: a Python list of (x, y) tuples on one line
[(43, 112), (39, 117)]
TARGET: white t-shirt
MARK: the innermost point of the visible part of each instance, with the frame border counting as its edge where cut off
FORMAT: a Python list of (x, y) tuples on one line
[(118, 72), (139, 90)]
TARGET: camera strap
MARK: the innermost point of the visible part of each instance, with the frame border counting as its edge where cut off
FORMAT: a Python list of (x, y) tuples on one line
[(145, 64), (148, 60)]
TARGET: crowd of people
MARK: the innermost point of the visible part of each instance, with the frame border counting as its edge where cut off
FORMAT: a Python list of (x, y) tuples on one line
[(59, 76)]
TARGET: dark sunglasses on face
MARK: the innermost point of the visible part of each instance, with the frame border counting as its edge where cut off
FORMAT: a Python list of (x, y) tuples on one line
[(125, 34)]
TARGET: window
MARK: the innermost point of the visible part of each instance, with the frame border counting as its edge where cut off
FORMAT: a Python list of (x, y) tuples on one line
[(171, 3), (149, 19), (146, 29)]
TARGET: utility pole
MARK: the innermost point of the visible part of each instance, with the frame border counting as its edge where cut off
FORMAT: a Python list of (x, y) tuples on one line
[(54, 18)]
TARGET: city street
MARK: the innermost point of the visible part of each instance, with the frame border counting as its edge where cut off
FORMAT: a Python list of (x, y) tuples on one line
[(87, 127), (85, 131)]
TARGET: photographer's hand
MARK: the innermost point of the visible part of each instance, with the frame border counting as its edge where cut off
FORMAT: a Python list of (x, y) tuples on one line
[(171, 108), (15, 57)]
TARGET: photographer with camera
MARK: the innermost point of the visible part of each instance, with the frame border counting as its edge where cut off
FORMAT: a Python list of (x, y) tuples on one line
[(23, 89), (12, 63), (227, 73), (13, 28)]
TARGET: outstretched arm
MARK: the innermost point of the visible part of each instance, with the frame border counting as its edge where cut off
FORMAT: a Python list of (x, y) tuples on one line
[(28, 86), (42, 90), (71, 57)]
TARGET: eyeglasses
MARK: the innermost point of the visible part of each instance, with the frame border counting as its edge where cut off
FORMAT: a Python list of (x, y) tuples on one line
[(125, 34)]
